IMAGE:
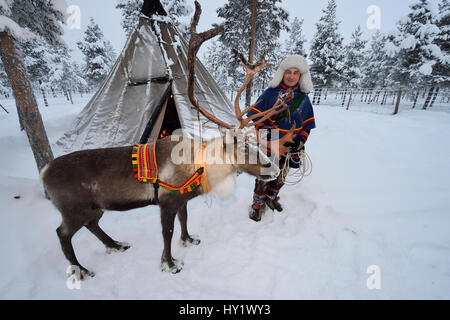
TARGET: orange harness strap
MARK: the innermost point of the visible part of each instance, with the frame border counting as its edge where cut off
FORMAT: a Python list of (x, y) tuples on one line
[(200, 162)]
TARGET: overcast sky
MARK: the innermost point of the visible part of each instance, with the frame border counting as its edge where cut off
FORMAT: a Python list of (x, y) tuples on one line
[(350, 12)]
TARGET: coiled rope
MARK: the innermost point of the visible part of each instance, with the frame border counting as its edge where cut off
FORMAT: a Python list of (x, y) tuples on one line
[(296, 175)]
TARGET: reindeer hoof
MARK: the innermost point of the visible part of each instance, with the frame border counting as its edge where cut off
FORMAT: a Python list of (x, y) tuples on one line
[(175, 268), (120, 247), (78, 273), (189, 241), (86, 274)]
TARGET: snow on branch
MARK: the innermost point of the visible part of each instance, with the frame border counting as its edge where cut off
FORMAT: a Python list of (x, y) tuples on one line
[(16, 31), (60, 6), (5, 6)]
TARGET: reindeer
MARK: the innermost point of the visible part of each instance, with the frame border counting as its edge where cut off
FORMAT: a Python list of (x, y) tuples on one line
[(83, 184)]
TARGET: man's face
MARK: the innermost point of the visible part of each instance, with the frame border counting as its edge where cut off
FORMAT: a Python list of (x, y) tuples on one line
[(291, 77)]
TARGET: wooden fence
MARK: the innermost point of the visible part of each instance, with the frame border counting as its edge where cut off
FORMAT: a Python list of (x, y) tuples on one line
[(382, 100)]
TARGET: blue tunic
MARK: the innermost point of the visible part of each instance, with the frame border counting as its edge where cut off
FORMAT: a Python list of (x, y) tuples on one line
[(303, 116)]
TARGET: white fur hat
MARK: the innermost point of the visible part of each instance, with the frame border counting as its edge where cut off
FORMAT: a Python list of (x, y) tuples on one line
[(294, 61)]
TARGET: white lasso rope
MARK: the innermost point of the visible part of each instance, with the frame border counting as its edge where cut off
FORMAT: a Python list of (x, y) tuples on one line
[(296, 175)]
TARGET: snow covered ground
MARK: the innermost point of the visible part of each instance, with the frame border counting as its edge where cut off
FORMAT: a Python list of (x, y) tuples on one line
[(378, 196)]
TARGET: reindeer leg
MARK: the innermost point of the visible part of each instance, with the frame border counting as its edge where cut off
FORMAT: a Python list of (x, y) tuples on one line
[(186, 239), (65, 233), (168, 263), (111, 245)]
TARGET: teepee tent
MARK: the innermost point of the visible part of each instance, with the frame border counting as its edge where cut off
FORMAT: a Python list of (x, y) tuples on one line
[(146, 91)]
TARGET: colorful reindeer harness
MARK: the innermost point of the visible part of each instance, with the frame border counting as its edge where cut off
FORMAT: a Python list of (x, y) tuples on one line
[(146, 171)]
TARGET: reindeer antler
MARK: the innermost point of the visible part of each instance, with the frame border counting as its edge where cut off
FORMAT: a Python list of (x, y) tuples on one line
[(251, 70), (195, 42)]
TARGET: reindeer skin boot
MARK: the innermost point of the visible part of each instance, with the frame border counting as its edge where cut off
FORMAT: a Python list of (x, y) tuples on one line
[(273, 188), (272, 199), (259, 201)]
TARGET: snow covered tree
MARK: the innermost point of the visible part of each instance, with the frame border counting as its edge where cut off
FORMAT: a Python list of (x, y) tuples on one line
[(62, 73), (271, 19), (296, 41), (97, 61), (5, 89), (110, 53), (413, 48), (176, 10), (50, 67), (354, 57), (37, 59), (213, 59), (130, 13), (375, 64), (327, 54), (441, 70), (22, 21)]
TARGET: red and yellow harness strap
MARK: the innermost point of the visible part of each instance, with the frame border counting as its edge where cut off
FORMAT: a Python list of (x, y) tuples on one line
[(191, 183), (144, 164), (143, 159)]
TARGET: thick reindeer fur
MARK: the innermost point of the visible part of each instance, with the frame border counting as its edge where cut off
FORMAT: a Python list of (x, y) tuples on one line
[(85, 183)]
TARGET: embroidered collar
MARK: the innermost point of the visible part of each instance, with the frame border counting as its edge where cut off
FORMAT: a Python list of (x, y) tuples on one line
[(286, 87)]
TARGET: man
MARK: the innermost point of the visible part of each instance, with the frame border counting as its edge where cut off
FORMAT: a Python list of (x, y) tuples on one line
[(293, 80)]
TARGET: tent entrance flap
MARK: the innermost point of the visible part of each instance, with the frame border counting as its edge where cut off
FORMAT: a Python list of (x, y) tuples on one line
[(155, 115), (171, 121)]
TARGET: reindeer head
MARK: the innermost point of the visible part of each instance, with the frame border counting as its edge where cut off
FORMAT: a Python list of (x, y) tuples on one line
[(246, 154)]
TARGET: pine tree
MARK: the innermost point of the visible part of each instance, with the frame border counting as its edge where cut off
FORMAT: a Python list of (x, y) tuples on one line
[(296, 41), (37, 59), (375, 64), (213, 59), (327, 52), (23, 21), (97, 61), (130, 13), (441, 70), (354, 59), (412, 46), (110, 54), (176, 9), (80, 83), (63, 73), (5, 89), (270, 20)]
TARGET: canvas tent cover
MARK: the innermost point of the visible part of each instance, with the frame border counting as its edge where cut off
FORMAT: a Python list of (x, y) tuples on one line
[(118, 113)]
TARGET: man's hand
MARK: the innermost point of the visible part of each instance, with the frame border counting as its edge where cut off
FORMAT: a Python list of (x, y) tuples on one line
[(296, 146)]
